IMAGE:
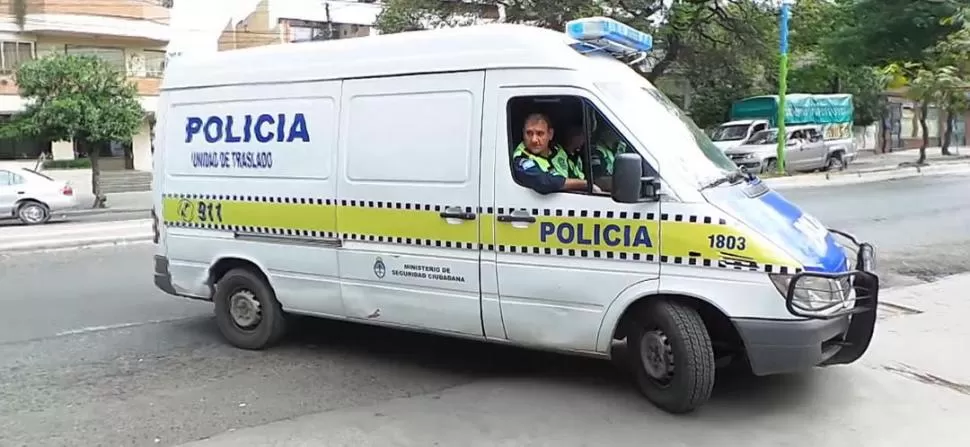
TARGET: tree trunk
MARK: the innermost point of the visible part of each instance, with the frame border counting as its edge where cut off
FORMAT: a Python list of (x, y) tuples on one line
[(884, 141), (923, 111), (99, 198), (948, 133)]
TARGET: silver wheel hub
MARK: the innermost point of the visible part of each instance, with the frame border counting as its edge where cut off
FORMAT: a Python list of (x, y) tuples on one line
[(657, 355), (32, 213), (245, 309)]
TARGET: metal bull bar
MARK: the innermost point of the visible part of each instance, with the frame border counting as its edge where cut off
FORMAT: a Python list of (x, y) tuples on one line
[(864, 282)]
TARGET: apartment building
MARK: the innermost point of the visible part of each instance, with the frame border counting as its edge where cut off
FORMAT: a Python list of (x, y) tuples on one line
[(129, 34), (274, 22), (290, 21)]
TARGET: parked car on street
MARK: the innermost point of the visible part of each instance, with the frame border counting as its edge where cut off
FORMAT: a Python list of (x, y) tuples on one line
[(832, 113), (806, 150), (33, 197)]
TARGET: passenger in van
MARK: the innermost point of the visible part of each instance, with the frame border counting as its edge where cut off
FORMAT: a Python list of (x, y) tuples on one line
[(575, 143), (540, 165), (601, 158)]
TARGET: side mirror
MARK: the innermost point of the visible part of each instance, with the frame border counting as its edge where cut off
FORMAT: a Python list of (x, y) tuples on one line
[(629, 184)]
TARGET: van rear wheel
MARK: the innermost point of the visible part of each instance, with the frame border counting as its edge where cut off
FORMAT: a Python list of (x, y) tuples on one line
[(247, 312), (671, 356)]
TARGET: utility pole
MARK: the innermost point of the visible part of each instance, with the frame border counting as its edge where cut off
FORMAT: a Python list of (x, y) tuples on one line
[(783, 85), (326, 8)]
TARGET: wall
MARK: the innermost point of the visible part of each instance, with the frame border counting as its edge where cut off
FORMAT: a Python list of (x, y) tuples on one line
[(253, 31), (129, 9)]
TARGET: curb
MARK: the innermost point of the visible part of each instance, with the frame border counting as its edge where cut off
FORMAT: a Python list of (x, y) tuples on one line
[(867, 177), (98, 211), (84, 243)]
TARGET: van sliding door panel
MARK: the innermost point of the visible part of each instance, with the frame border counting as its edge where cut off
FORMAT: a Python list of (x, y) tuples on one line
[(408, 213)]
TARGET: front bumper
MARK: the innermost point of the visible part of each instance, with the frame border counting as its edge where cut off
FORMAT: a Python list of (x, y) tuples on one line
[(840, 337)]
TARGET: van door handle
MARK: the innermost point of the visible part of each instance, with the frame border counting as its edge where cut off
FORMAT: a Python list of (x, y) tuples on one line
[(511, 218), (457, 215)]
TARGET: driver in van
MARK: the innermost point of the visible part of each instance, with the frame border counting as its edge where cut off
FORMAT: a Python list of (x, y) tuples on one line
[(540, 165)]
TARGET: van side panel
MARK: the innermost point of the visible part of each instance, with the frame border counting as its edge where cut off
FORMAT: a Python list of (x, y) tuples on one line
[(249, 173), (409, 211)]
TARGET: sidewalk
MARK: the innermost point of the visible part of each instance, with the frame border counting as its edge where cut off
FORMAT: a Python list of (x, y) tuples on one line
[(117, 203), (73, 235), (871, 167), (929, 346)]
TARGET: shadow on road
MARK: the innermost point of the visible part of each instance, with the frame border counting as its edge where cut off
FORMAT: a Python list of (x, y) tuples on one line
[(737, 395)]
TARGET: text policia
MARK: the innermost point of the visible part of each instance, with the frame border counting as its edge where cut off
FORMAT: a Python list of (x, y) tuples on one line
[(247, 129)]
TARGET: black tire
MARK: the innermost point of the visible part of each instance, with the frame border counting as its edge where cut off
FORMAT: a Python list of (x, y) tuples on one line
[(686, 339), (769, 167), (834, 163), (271, 325), (33, 213)]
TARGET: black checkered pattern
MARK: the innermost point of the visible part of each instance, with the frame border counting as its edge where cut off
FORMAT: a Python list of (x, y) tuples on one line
[(726, 260)]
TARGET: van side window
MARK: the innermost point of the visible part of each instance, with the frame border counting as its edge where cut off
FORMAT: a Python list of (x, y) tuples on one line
[(581, 144)]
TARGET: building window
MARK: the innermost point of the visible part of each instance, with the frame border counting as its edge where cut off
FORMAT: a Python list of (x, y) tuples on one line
[(154, 63), (113, 56), (14, 54), (306, 31)]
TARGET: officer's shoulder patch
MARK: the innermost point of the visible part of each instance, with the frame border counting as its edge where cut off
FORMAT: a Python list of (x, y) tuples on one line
[(526, 163)]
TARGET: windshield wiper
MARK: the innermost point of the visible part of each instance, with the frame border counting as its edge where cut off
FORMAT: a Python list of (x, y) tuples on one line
[(732, 177)]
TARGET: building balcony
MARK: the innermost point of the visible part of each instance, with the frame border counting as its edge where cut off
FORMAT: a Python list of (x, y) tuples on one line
[(146, 86), (141, 20), (125, 9)]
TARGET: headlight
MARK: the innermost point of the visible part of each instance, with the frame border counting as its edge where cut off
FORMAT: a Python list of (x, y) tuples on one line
[(812, 293)]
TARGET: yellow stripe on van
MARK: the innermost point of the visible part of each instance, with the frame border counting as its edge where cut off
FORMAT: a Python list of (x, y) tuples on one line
[(404, 223), (310, 215), (705, 241)]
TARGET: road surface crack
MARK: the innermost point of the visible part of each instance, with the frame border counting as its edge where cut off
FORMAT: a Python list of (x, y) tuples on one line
[(927, 378)]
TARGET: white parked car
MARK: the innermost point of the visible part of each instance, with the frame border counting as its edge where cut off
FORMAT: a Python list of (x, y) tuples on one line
[(32, 197)]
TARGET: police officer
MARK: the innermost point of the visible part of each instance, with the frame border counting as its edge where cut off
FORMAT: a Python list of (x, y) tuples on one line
[(540, 165), (602, 160), (602, 157), (575, 141)]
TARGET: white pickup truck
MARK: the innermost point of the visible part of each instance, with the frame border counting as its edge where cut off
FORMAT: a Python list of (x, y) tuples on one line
[(735, 133), (806, 150)]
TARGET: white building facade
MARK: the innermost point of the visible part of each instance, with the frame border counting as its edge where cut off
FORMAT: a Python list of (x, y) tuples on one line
[(131, 35)]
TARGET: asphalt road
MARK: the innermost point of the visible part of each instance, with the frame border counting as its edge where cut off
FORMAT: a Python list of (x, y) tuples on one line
[(87, 216), (920, 225), (91, 354)]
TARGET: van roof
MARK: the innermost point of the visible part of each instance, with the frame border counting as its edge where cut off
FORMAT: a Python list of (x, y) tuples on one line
[(443, 50)]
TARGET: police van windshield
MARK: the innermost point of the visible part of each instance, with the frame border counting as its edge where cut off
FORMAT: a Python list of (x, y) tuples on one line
[(666, 130)]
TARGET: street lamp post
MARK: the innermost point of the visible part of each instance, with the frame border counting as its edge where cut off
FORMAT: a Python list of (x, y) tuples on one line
[(783, 83)]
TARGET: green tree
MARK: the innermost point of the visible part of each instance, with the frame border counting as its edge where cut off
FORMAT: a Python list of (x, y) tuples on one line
[(817, 70), (681, 23), (79, 98), (954, 51), (927, 84), (882, 32)]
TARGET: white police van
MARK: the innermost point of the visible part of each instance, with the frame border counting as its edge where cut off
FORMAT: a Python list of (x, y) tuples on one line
[(371, 180)]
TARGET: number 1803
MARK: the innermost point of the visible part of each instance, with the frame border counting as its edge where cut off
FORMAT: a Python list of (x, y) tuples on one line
[(721, 241)]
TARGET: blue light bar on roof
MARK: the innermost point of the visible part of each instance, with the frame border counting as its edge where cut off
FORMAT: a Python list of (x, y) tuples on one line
[(609, 34)]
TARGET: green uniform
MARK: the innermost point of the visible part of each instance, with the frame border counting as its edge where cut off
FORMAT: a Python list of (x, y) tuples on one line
[(606, 159), (559, 164)]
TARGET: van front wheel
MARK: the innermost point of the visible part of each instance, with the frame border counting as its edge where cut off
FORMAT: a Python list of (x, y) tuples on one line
[(247, 312), (671, 356)]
